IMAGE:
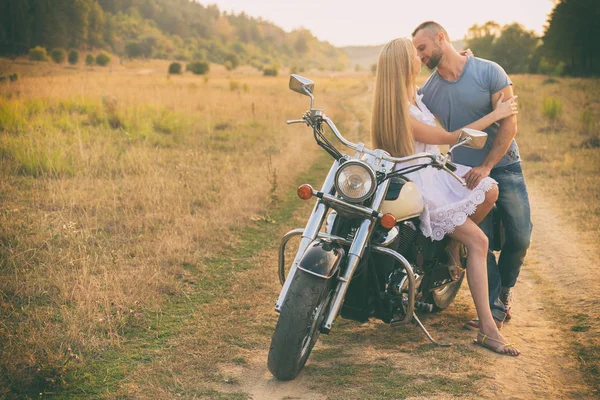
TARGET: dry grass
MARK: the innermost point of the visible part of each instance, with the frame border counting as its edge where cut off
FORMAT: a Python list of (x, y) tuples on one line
[(115, 185), (139, 215), (562, 154)]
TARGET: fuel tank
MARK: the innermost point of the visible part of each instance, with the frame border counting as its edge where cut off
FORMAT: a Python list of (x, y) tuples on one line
[(403, 200)]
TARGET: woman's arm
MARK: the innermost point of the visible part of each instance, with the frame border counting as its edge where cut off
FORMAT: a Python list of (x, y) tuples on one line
[(434, 135)]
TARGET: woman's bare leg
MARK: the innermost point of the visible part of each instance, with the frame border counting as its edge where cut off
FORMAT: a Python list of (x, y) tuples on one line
[(484, 208), (473, 237), (482, 211)]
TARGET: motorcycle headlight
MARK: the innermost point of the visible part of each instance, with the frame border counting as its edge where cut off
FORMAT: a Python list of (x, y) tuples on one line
[(355, 181)]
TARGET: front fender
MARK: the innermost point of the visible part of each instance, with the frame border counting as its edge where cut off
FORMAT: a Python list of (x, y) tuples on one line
[(322, 258)]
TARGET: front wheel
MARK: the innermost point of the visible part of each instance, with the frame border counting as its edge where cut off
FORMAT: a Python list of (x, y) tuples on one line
[(298, 326)]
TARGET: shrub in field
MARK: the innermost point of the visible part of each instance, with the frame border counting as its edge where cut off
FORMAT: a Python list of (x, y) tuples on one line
[(588, 122), (133, 50), (58, 55), (552, 109), (175, 68), (198, 67), (102, 59), (13, 77), (38, 53), (270, 71), (73, 57), (234, 85), (89, 60), (228, 65), (233, 59)]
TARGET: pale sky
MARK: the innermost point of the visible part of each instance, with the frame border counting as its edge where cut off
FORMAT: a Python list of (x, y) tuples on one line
[(372, 22)]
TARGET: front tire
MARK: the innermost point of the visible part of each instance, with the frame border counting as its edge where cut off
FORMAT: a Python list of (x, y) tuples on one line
[(297, 329)]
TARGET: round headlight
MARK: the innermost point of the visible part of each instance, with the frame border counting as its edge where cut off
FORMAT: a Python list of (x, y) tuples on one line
[(355, 181)]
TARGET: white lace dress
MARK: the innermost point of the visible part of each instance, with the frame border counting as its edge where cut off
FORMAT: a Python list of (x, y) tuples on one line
[(447, 202)]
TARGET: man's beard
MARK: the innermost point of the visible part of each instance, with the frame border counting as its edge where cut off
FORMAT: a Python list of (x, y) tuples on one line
[(434, 60)]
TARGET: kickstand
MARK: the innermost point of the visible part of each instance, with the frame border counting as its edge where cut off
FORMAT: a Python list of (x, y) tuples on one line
[(416, 319)]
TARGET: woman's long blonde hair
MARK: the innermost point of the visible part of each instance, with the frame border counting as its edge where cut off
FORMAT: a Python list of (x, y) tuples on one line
[(394, 86)]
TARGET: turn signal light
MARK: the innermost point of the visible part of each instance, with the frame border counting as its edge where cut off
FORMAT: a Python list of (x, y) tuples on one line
[(388, 221), (305, 191)]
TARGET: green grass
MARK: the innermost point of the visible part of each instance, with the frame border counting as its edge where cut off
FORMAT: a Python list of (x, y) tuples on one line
[(73, 136)]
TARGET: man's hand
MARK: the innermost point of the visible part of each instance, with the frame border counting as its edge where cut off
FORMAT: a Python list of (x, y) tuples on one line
[(475, 175)]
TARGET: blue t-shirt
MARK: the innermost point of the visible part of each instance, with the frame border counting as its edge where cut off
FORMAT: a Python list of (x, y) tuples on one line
[(459, 103)]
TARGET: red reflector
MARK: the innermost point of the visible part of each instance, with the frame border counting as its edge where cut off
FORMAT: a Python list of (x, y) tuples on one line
[(305, 191), (388, 221)]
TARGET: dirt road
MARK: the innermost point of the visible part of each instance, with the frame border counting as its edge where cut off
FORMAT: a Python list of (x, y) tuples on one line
[(556, 282)]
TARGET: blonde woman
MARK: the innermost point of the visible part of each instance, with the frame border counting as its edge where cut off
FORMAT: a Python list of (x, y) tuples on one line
[(402, 125)]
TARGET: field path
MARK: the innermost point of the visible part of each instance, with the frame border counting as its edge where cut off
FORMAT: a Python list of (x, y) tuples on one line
[(559, 265)]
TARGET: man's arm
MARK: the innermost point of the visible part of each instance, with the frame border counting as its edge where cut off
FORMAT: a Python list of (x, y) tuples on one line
[(506, 133)]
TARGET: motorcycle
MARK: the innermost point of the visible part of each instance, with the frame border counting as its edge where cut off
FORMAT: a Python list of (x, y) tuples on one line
[(370, 260)]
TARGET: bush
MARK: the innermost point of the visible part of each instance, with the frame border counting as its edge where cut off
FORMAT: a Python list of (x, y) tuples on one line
[(270, 71), (38, 53), (198, 67), (89, 60), (133, 50), (552, 109), (73, 57), (13, 77), (175, 68), (373, 69), (102, 59), (233, 59), (58, 55), (228, 65), (234, 85)]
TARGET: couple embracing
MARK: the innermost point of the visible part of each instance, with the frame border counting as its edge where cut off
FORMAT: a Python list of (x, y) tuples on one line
[(463, 91)]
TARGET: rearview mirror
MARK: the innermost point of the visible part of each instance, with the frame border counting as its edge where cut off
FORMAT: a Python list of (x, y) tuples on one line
[(474, 138), (302, 85)]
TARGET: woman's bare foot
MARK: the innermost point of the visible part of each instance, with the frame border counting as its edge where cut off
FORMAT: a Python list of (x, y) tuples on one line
[(497, 343), (454, 266)]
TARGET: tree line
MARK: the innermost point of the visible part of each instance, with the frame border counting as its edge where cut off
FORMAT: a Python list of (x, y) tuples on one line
[(569, 44), (166, 29)]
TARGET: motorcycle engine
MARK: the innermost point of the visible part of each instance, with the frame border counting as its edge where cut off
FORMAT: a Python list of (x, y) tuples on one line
[(406, 236)]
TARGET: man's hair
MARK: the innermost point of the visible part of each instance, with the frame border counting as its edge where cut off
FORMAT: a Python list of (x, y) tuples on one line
[(432, 27)]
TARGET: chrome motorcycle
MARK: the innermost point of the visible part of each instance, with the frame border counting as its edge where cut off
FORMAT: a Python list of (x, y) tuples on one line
[(361, 254)]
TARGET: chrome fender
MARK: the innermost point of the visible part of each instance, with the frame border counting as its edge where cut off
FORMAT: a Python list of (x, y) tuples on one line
[(322, 258)]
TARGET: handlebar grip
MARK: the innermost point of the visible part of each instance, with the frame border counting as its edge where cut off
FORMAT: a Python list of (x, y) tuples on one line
[(451, 166)]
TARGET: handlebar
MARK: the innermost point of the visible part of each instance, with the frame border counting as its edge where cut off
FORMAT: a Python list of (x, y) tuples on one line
[(439, 161)]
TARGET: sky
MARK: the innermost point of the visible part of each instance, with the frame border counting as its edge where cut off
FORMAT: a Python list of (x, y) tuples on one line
[(373, 22)]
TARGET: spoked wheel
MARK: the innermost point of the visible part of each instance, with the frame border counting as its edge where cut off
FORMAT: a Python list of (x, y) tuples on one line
[(297, 329)]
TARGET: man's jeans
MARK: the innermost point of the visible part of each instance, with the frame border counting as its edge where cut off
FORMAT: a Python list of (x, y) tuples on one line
[(513, 205)]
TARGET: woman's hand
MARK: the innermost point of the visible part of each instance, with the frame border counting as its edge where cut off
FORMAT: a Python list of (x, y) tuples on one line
[(504, 109)]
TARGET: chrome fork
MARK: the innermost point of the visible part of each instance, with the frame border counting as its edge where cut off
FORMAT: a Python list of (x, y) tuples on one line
[(310, 232)]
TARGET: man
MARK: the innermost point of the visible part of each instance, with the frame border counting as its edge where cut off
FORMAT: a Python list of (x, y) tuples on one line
[(460, 91)]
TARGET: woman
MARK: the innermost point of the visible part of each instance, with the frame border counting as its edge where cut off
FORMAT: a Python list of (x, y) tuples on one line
[(402, 125)]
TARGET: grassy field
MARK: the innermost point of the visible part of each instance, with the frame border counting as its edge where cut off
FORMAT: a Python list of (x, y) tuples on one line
[(140, 215), (118, 186)]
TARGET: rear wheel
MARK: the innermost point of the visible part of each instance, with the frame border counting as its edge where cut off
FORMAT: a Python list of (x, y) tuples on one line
[(442, 297), (297, 329)]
